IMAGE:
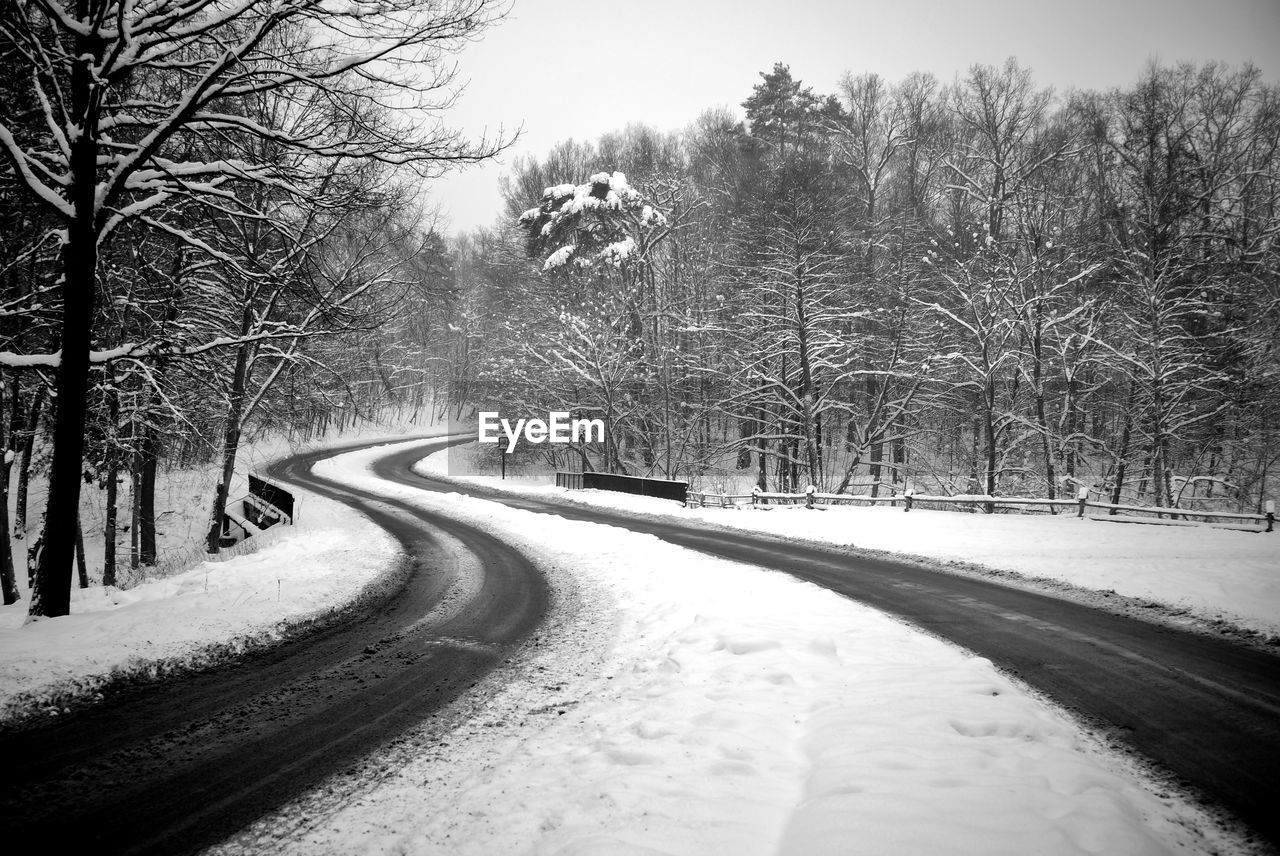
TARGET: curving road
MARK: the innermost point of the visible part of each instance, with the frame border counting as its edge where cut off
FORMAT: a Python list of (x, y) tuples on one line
[(173, 767), (1204, 709), (176, 766)]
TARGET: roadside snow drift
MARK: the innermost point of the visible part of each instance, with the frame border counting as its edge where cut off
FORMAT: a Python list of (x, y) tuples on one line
[(1217, 575), (300, 573)]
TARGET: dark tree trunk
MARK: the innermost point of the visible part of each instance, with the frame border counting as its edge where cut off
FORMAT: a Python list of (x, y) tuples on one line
[(989, 443), (109, 526), (989, 453), (51, 595), (24, 467), (113, 484), (899, 452), (876, 452), (8, 580), (848, 473), (135, 494), (807, 395), (147, 455), (876, 456), (1122, 456), (230, 440), (762, 460), (149, 444), (82, 568), (744, 451)]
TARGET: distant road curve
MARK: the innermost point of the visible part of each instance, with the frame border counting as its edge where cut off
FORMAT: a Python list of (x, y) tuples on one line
[(1202, 708), (174, 767)]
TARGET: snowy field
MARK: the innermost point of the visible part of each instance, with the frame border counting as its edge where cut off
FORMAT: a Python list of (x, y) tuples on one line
[(673, 704), (1214, 575), (680, 704)]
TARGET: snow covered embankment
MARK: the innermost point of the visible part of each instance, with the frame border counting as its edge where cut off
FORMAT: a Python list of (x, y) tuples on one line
[(305, 573), (1222, 578), (680, 704)]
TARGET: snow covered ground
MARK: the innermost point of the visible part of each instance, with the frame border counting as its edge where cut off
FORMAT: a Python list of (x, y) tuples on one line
[(216, 609), (680, 704), (673, 704), (1212, 574)]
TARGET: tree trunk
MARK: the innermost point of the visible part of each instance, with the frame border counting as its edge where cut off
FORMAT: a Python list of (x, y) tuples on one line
[(109, 526), (82, 569), (899, 451), (744, 451), (762, 461), (230, 440), (989, 443), (135, 515), (52, 593), (147, 454), (24, 467), (1121, 458), (974, 486), (848, 473), (8, 580), (1037, 390), (807, 394), (34, 549)]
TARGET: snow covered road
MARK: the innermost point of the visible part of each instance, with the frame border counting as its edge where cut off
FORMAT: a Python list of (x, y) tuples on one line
[(682, 704), (181, 764), (1203, 708), (672, 703)]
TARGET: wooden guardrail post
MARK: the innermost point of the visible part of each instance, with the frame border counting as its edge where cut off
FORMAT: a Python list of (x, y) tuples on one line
[(808, 496), (907, 499), (1082, 496), (1271, 515)]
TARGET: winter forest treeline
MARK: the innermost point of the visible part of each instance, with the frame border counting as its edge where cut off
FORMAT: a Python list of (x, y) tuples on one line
[(212, 231), (981, 287)]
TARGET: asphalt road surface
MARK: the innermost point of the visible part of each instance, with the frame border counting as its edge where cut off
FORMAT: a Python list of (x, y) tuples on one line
[(172, 767), (1204, 709)]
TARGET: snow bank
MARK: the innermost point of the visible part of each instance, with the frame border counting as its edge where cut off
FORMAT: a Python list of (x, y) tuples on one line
[(680, 704), (1217, 575), (296, 576)]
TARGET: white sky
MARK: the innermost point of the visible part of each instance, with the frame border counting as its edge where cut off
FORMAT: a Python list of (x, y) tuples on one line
[(581, 68)]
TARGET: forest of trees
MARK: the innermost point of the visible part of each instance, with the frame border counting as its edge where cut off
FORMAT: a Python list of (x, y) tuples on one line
[(212, 228), (983, 287)]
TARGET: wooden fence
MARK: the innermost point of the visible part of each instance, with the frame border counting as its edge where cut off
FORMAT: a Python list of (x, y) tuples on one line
[(988, 504), (657, 488), (571, 481)]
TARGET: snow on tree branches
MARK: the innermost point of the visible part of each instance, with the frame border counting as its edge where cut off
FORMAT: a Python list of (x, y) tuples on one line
[(604, 220)]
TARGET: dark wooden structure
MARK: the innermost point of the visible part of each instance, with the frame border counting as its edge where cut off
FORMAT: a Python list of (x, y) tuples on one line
[(264, 506), (659, 488)]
